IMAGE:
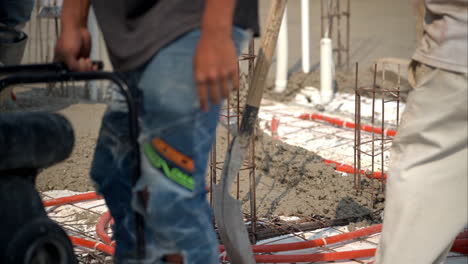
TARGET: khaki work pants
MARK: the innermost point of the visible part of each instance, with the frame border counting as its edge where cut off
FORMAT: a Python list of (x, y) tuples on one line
[(426, 199)]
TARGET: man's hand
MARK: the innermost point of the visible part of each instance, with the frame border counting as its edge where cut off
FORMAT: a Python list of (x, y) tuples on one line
[(215, 68), (215, 61), (73, 48), (74, 44)]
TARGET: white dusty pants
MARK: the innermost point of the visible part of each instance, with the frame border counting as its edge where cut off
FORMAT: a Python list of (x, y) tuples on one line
[(426, 195)]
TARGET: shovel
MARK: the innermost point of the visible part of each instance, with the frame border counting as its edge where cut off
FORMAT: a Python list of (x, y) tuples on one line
[(227, 210)]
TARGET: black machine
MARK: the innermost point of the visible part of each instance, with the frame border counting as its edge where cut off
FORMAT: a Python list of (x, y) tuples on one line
[(30, 141)]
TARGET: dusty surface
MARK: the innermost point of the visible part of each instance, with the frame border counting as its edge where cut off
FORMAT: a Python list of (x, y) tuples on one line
[(300, 184), (73, 173), (345, 83), (291, 181)]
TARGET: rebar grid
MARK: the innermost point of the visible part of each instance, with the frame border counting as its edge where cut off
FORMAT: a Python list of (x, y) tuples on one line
[(75, 226), (331, 10), (283, 230), (380, 141), (232, 113), (314, 134)]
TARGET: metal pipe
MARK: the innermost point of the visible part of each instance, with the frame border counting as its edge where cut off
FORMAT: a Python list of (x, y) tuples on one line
[(94, 89), (356, 128), (212, 169), (382, 156), (373, 116), (338, 29), (253, 197), (305, 36), (348, 25), (322, 17), (398, 97)]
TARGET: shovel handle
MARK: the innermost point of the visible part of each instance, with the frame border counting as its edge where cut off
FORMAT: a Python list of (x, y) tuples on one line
[(227, 210)]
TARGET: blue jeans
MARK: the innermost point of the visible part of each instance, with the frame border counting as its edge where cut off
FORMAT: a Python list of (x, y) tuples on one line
[(15, 12), (175, 141)]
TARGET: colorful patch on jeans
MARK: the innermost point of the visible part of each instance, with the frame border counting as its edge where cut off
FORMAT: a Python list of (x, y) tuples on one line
[(173, 155), (171, 172)]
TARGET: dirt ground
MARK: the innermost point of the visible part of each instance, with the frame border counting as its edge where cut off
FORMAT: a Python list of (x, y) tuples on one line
[(73, 173)]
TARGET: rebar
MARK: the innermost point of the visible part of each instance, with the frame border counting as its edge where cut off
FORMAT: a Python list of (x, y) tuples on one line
[(231, 111), (374, 85), (357, 132), (253, 197), (329, 11), (387, 91), (382, 143)]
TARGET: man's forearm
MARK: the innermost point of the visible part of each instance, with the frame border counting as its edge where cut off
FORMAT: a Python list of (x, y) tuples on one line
[(218, 16), (75, 13)]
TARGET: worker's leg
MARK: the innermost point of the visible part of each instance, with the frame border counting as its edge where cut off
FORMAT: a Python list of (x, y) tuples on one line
[(175, 142), (111, 173), (178, 216), (426, 200)]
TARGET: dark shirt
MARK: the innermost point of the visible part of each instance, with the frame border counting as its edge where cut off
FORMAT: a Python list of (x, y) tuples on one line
[(135, 30)]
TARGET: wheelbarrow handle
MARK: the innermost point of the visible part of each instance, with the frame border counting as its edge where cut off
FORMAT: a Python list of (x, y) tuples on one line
[(57, 72), (41, 67)]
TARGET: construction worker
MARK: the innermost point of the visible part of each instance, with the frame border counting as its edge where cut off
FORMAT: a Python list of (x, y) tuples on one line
[(426, 200), (180, 59)]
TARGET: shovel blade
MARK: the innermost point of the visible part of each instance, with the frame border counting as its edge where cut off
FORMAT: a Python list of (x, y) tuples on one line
[(231, 227), (227, 210)]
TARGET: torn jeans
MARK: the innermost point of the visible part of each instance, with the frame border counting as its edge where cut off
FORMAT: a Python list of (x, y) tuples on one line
[(175, 141)]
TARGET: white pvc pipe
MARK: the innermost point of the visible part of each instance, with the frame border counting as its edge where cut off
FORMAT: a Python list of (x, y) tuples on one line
[(305, 36), (282, 56), (326, 71)]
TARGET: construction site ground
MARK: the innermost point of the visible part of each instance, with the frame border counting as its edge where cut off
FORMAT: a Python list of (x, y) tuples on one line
[(293, 184)]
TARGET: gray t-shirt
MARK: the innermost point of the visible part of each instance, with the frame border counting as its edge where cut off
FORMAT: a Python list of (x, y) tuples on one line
[(445, 41), (135, 30)]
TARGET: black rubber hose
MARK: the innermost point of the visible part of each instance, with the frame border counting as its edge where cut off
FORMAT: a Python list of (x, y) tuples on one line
[(34, 140)]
